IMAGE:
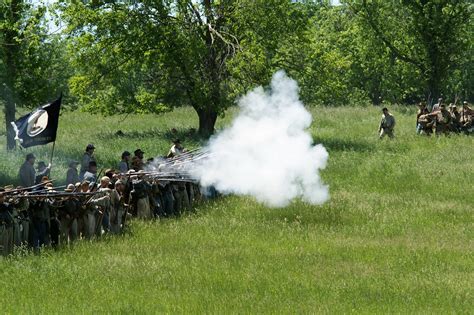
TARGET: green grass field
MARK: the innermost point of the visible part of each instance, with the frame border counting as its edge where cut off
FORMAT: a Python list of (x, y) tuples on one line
[(396, 236)]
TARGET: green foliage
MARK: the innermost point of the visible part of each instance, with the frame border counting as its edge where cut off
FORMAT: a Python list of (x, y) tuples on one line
[(32, 63), (395, 237), (432, 37)]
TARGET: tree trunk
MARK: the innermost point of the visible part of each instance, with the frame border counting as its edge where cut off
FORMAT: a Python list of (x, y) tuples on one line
[(207, 122), (11, 51), (9, 117)]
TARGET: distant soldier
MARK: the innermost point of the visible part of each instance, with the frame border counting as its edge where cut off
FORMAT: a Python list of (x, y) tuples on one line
[(72, 177), (40, 213), (118, 207), (6, 226), (68, 217), (176, 149), (443, 119), (466, 118), (27, 171), (137, 161), (455, 118), (422, 110), (437, 106), (140, 197), (123, 166), (387, 124), (86, 159)]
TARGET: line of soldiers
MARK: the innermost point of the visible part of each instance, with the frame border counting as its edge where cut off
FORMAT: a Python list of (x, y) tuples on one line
[(42, 215), (443, 121)]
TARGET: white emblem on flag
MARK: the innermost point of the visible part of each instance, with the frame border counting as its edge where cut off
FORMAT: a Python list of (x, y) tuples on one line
[(37, 122)]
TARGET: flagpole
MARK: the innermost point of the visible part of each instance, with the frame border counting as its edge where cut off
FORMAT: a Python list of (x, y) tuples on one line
[(51, 158)]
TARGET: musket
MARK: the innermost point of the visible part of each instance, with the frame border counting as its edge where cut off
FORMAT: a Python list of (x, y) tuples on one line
[(19, 190), (57, 195)]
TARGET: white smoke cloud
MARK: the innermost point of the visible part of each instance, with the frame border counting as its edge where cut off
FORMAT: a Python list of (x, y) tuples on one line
[(267, 151)]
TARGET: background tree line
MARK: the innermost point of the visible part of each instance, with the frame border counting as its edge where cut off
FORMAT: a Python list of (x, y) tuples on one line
[(149, 56)]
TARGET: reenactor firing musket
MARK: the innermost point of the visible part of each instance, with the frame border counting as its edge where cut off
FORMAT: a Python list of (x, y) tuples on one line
[(57, 195), (24, 189)]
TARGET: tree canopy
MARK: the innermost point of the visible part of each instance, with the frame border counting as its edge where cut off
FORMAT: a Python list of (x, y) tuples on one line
[(149, 56)]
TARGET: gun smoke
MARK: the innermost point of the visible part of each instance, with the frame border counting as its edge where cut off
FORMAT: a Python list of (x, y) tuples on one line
[(267, 152)]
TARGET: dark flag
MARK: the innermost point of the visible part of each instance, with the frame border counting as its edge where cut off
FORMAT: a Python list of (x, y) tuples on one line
[(38, 127)]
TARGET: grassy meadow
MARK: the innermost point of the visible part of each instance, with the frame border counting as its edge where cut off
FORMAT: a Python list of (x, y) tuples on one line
[(396, 236)]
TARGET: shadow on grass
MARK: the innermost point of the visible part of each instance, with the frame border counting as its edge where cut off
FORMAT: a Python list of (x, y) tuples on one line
[(185, 135), (335, 144)]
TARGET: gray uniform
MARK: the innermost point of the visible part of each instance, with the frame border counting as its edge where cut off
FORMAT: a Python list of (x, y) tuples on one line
[(91, 177), (27, 174), (71, 176), (123, 167), (86, 159), (387, 125)]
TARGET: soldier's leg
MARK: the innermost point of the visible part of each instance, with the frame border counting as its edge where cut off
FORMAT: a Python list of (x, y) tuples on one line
[(9, 241), (91, 216), (177, 203), (3, 240), (16, 232), (64, 228), (55, 231), (25, 226), (382, 134), (185, 198), (73, 234)]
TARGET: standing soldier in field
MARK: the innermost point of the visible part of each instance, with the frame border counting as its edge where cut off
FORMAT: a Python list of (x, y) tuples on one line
[(86, 159), (123, 166), (455, 118), (443, 119), (466, 118), (72, 177), (137, 161), (6, 226), (422, 110), (437, 106), (27, 171), (387, 124)]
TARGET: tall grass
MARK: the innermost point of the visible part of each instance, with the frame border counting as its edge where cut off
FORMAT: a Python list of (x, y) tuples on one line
[(396, 236)]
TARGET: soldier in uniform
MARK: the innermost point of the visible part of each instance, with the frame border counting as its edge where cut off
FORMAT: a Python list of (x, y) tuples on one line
[(443, 119), (466, 118), (91, 174), (422, 110), (387, 124), (137, 161), (123, 166), (118, 206), (27, 172), (68, 217), (455, 118), (86, 159), (176, 149), (40, 223), (72, 177), (6, 226), (437, 106), (140, 196)]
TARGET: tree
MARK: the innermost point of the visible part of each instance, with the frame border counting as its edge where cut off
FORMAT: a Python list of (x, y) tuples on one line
[(154, 54), (151, 55), (430, 35), (31, 62)]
